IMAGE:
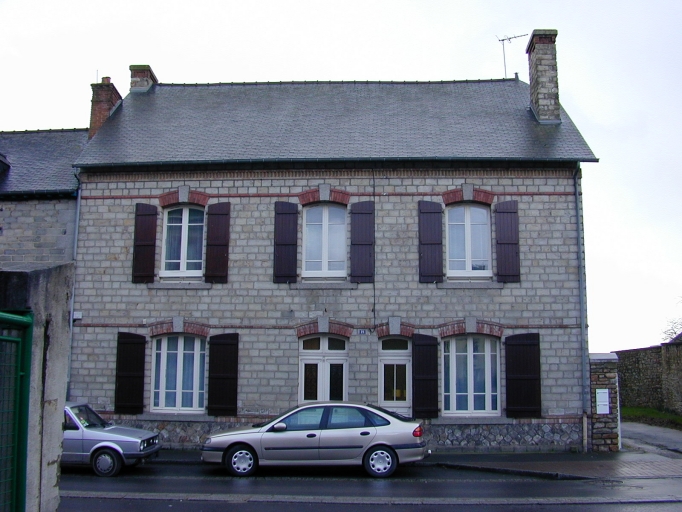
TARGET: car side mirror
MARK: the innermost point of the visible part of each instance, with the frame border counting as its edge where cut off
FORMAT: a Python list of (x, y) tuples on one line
[(279, 427)]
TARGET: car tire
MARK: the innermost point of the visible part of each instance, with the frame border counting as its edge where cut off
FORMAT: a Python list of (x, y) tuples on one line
[(380, 461), (241, 460), (106, 462)]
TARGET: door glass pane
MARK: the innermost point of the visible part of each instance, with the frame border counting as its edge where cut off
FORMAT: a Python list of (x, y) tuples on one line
[(336, 382), (401, 382), (310, 381), (307, 419), (311, 344), (394, 344), (389, 382)]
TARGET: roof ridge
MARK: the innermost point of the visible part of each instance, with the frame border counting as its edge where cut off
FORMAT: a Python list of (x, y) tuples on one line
[(46, 130), (340, 82)]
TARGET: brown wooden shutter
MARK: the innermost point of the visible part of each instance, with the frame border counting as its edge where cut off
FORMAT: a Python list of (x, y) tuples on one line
[(424, 376), (522, 365), (362, 242), (507, 235), (217, 242), (286, 239), (144, 247), (129, 391), (223, 369), (430, 242)]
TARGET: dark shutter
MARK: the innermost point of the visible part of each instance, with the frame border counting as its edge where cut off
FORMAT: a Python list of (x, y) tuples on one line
[(217, 242), (129, 392), (424, 376), (362, 242), (522, 364), (430, 242), (144, 247), (286, 238), (507, 235), (223, 352)]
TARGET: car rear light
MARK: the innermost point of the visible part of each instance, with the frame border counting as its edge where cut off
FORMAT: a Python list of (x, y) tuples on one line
[(418, 432)]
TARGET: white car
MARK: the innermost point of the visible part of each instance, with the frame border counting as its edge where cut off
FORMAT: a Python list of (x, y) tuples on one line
[(90, 440), (321, 434)]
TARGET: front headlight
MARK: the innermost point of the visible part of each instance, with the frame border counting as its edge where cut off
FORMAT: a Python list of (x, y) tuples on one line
[(207, 441)]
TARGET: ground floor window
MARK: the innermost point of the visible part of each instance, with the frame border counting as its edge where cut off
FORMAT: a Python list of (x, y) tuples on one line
[(471, 379), (395, 372), (323, 371), (179, 373)]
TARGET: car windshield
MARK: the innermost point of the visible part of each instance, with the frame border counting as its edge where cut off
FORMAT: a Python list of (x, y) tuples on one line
[(87, 417)]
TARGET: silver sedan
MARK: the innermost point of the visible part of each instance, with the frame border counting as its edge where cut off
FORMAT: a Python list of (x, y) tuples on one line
[(321, 434)]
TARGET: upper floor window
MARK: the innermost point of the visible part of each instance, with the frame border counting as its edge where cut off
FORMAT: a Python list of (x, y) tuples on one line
[(468, 241), (324, 241), (183, 242), (179, 373)]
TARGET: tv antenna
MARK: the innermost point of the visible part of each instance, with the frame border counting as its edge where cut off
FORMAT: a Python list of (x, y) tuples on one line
[(507, 39)]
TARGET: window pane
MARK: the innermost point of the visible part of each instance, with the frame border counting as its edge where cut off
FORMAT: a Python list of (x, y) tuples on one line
[(462, 374), (394, 344), (461, 344), (173, 246), (336, 382), (462, 402), (196, 216), (311, 344), (336, 344), (337, 215), (310, 382), (195, 243), (307, 419), (346, 417), (456, 215), (479, 215), (175, 216), (313, 248), (479, 373), (313, 215), (171, 377), (479, 402), (493, 372)]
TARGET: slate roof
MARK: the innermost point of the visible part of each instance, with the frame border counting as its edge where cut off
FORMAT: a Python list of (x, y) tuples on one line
[(331, 121), (40, 162)]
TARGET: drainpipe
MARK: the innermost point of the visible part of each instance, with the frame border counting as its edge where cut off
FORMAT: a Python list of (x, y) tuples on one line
[(583, 308), (73, 288)]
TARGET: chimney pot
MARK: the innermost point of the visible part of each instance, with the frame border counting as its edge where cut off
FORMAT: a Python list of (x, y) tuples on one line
[(544, 81), (106, 80)]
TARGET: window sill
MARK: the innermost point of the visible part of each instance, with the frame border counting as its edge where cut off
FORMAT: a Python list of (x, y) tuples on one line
[(486, 285), (174, 416), (471, 420), (324, 285), (179, 285)]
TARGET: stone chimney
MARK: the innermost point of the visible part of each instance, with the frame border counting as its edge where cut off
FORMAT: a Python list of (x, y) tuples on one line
[(141, 78), (544, 81), (104, 98)]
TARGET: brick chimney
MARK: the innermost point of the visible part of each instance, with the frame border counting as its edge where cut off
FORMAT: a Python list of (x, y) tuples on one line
[(141, 78), (104, 98), (544, 81)]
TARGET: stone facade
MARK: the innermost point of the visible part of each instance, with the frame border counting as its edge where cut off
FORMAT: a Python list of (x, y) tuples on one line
[(605, 436), (37, 231), (650, 377), (267, 315)]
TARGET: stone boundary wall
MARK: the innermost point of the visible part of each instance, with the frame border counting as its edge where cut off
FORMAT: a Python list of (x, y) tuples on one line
[(671, 380), (650, 377), (604, 427)]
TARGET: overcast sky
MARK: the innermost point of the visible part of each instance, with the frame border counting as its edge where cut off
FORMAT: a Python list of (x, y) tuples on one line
[(620, 70)]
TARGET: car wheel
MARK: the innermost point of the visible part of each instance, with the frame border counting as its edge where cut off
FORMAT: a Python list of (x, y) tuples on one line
[(241, 460), (380, 461), (106, 462)]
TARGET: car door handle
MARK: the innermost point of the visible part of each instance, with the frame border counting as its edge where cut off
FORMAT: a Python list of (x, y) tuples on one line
[(365, 433), (311, 435)]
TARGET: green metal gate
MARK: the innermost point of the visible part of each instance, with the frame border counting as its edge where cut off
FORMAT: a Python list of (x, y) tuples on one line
[(15, 366)]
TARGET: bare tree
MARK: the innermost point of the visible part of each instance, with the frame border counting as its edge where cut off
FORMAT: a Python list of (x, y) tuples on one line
[(673, 328)]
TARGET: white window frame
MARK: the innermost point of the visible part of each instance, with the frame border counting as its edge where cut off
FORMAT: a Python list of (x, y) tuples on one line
[(468, 272), (160, 352), (396, 357), (324, 358), (182, 272), (492, 378), (325, 272)]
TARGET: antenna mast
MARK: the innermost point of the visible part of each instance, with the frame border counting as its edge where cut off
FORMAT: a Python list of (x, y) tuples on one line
[(507, 39)]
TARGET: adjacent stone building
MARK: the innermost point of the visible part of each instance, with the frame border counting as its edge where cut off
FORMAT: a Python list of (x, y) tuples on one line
[(246, 247)]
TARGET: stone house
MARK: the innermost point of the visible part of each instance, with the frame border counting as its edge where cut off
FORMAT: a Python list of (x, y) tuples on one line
[(245, 247)]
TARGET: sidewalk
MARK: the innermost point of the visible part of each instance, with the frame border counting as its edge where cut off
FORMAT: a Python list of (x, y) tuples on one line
[(648, 452)]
